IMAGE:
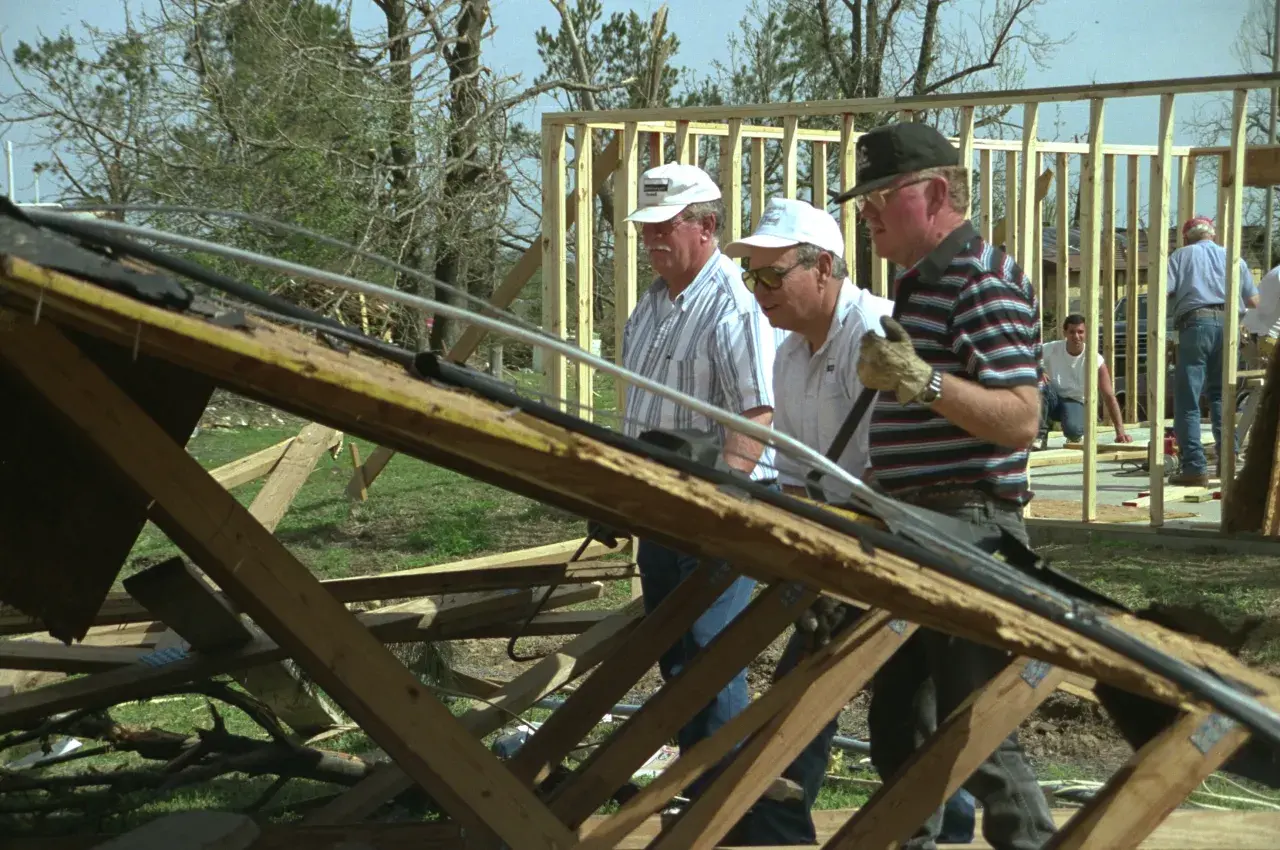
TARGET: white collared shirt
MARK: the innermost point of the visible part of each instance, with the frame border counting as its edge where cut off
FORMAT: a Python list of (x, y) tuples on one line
[(1264, 320), (816, 391), (711, 341)]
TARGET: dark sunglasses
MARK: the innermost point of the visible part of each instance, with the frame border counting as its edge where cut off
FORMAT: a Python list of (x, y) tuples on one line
[(767, 277)]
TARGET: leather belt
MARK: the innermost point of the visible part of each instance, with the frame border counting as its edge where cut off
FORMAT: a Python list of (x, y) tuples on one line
[(1208, 311)]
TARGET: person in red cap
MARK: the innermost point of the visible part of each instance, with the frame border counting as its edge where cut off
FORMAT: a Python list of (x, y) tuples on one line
[(1197, 291)]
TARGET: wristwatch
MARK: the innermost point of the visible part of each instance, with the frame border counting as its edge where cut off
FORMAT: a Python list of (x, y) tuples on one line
[(932, 390)]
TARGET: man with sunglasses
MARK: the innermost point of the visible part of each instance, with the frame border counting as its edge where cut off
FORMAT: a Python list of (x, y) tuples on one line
[(958, 376), (797, 272), (696, 329)]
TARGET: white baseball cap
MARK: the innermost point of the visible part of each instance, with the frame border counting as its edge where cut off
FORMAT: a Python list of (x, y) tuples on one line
[(668, 189), (786, 222)]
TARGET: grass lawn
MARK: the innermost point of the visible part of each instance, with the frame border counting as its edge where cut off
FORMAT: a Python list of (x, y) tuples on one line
[(418, 514)]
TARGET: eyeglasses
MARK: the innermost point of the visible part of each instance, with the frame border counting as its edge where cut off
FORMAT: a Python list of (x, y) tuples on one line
[(880, 197), (767, 277)]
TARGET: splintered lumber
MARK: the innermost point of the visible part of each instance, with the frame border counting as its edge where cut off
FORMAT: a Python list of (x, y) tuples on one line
[(614, 761), (547, 675), (300, 456), (161, 669), (281, 595), (770, 749), (380, 402), (260, 463), (182, 599), (949, 757), (1157, 778), (663, 626), (119, 609)]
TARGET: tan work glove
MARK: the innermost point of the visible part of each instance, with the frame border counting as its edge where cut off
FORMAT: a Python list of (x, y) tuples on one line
[(890, 363)]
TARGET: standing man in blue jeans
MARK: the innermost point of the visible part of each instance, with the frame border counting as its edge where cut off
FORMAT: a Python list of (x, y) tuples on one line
[(1062, 393), (697, 330), (1197, 294)]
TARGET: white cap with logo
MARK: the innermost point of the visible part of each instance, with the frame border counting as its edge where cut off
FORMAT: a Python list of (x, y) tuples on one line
[(668, 189), (787, 222)]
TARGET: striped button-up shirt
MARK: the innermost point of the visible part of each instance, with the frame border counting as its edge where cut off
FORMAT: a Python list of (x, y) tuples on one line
[(711, 342)]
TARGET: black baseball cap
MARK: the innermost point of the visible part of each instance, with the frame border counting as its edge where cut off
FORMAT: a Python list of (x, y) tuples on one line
[(886, 153)]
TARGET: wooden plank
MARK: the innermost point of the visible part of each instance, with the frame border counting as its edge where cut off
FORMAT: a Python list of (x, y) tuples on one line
[(1029, 200), (790, 154), (1010, 224), (282, 596), (818, 189), (1157, 778), (568, 724), (1271, 512), (547, 675), (731, 179), (1132, 264), (848, 176), (1157, 308), (555, 282), (1062, 277), (584, 272), (625, 249), (868, 642), (964, 128), (1048, 94), (757, 167), (611, 763), (1107, 313), (770, 749), (278, 493), (1186, 192), (461, 577), (1091, 174), (684, 146), (260, 463), (987, 174), (362, 478), (43, 655), (175, 594), (375, 400), (946, 761), (357, 475), (1231, 316)]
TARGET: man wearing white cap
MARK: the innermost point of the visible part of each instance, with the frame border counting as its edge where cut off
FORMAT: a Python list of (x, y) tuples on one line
[(798, 275), (796, 269), (698, 330)]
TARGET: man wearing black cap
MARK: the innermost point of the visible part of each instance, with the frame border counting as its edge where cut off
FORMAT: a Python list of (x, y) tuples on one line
[(958, 376)]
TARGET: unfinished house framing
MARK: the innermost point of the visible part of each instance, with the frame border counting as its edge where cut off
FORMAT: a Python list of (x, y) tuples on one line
[(114, 366), (736, 143)]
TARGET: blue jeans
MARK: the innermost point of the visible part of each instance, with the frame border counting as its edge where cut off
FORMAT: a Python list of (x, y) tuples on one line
[(1199, 371), (1055, 408), (661, 570), (773, 822)]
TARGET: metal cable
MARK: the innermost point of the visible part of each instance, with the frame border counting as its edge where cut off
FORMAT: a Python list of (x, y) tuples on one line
[(919, 540)]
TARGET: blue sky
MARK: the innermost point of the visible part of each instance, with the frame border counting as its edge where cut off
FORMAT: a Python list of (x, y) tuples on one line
[(1113, 41)]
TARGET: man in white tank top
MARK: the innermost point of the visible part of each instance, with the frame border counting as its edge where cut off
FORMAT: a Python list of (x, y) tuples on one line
[(1062, 392)]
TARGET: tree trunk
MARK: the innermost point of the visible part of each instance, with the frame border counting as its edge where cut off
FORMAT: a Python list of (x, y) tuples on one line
[(404, 227)]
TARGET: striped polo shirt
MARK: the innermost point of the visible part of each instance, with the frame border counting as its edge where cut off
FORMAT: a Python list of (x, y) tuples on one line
[(971, 312), (712, 342)]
